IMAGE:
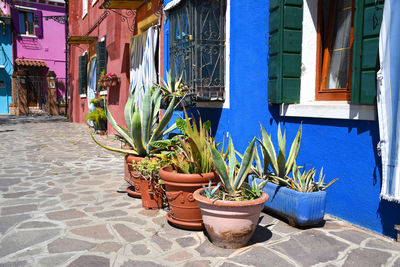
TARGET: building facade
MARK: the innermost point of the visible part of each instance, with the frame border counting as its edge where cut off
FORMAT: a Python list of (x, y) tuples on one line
[(38, 41), (103, 36), (277, 71), (265, 62), (6, 60)]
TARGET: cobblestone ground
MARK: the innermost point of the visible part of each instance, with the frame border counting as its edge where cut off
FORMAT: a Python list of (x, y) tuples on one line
[(62, 204)]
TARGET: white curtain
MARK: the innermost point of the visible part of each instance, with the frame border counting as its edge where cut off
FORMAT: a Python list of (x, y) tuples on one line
[(143, 71), (388, 100)]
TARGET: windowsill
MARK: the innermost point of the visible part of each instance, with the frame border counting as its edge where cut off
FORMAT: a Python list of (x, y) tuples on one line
[(103, 92), (28, 36), (82, 95), (329, 110), (84, 15), (25, 8), (94, 2), (211, 104)]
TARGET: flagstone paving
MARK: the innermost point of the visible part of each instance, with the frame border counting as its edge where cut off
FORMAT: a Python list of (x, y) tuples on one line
[(62, 203)]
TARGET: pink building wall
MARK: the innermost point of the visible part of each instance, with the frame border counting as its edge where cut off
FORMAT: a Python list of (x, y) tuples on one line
[(50, 48)]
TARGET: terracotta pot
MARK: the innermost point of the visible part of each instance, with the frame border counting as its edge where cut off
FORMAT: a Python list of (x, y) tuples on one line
[(230, 224), (184, 211), (126, 167), (131, 176), (152, 194)]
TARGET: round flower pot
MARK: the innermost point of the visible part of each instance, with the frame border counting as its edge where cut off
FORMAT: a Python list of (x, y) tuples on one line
[(132, 176), (184, 211), (230, 224), (152, 193)]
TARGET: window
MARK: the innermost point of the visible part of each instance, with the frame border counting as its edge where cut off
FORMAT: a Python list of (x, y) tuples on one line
[(298, 63), (334, 50), (197, 47), (101, 53), (83, 61), (26, 23), (84, 8)]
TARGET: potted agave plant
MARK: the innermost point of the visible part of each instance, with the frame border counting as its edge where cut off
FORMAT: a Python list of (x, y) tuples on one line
[(175, 88), (231, 211), (301, 198), (192, 167), (144, 127)]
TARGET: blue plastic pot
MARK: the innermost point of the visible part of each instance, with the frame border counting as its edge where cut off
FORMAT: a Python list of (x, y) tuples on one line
[(301, 209)]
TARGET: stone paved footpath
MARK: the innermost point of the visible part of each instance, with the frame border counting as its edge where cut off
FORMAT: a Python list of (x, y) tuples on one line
[(62, 205)]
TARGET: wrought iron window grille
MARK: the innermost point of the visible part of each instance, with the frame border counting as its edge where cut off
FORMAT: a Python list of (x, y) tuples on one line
[(58, 19), (197, 47)]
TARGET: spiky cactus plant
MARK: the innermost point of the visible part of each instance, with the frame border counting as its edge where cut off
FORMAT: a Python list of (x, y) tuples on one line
[(143, 125)]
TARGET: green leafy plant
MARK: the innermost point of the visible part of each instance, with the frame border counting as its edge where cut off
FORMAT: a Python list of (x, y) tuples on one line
[(97, 116), (149, 167), (193, 154), (233, 178), (101, 79), (276, 168), (305, 182), (149, 170), (143, 125), (97, 102), (172, 86), (209, 190), (175, 87)]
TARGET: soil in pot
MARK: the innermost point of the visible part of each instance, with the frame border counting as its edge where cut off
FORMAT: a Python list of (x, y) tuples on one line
[(179, 188), (230, 224)]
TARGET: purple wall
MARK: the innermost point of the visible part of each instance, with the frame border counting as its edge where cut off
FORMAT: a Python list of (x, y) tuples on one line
[(50, 48)]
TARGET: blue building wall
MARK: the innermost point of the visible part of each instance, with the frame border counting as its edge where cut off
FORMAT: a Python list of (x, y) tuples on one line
[(5, 73), (345, 148)]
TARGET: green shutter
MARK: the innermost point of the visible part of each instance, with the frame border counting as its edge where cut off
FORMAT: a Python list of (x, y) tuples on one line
[(83, 74), (367, 24), (285, 41), (101, 52)]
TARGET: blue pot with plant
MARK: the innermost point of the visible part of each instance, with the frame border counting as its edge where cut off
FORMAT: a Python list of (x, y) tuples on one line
[(294, 194)]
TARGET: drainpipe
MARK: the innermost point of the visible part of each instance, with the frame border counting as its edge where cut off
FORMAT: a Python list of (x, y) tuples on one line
[(66, 56)]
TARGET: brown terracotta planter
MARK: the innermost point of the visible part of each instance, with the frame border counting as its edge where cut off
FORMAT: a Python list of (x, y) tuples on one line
[(184, 211), (126, 167), (131, 176), (152, 194), (230, 224)]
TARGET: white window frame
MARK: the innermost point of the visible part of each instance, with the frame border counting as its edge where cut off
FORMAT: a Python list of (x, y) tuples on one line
[(83, 95), (308, 106), (84, 8), (94, 2)]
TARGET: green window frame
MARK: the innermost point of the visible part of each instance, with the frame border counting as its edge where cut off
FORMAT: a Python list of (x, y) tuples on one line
[(102, 59), (83, 60)]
